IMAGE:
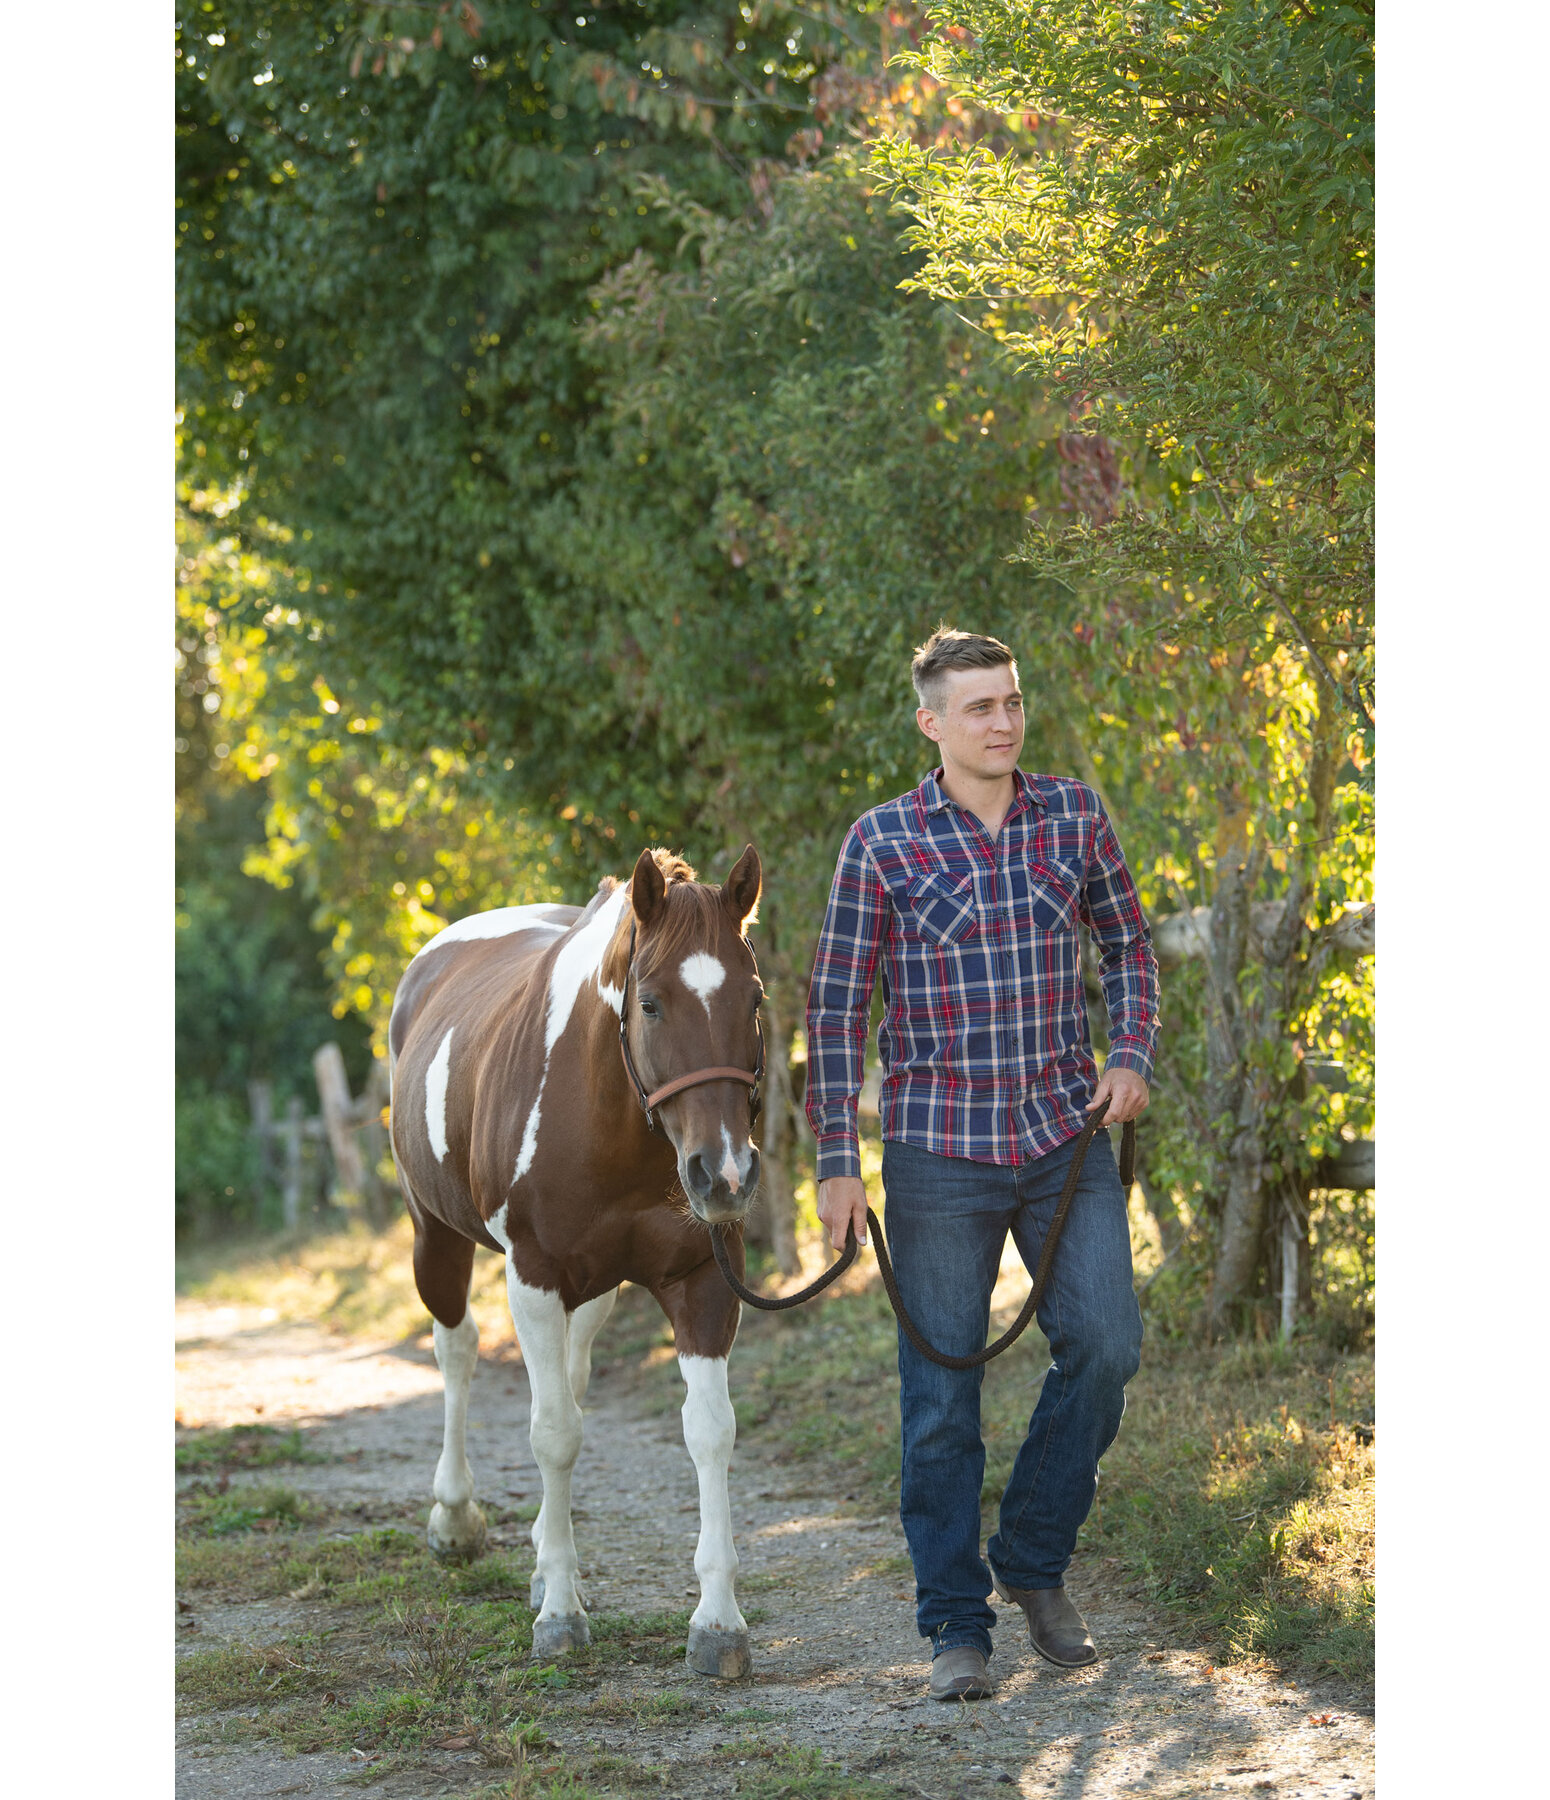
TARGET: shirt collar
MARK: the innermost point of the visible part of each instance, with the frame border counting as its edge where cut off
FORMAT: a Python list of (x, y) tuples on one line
[(934, 800)]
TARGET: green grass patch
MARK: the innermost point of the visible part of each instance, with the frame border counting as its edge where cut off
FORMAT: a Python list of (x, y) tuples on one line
[(244, 1447), (223, 1511), (654, 1707), (230, 1675), (374, 1567), (765, 1771)]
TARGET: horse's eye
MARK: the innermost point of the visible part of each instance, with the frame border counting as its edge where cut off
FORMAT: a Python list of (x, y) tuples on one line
[(650, 1008)]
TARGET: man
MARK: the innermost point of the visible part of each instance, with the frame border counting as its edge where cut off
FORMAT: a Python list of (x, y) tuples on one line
[(969, 892)]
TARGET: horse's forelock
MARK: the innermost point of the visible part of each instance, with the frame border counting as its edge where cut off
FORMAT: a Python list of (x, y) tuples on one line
[(691, 918)]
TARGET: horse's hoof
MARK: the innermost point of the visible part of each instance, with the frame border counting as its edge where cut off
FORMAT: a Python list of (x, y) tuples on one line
[(456, 1534), (535, 1592), (559, 1636), (724, 1655)]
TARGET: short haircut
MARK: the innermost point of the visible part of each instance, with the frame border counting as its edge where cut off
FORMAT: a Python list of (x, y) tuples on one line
[(947, 649)]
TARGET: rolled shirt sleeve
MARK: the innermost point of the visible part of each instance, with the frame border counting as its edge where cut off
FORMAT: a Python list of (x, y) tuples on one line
[(839, 1005), (1127, 964)]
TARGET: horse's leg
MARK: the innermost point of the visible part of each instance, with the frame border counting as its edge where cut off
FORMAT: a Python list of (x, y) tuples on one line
[(554, 1429), (443, 1265), (704, 1314), (582, 1327)]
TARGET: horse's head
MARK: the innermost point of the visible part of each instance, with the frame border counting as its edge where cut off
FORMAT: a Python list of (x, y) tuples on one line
[(692, 1005)]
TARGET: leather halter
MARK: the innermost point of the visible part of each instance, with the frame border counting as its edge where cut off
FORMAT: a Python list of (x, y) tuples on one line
[(752, 1078)]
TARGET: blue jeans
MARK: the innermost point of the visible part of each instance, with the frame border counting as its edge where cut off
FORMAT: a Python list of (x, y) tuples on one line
[(946, 1223)]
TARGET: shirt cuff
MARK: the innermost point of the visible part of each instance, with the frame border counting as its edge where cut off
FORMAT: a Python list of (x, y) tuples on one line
[(839, 1155), (1129, 1054)]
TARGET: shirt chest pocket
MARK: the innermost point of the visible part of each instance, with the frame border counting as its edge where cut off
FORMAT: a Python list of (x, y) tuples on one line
[(941, 911), (1054, 889)]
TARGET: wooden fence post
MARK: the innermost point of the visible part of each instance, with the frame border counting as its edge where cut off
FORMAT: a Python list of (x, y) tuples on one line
[(339, 1120), (291, 1190), (261, 1107)]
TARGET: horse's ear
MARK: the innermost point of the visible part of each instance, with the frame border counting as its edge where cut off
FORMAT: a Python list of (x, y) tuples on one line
[(647, 887), (740, 890)]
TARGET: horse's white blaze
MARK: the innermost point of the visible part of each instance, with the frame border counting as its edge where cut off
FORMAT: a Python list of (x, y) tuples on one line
[(554, 1430), (580, 956), (436, 1097), (702, 974), (500, 921), (731, 1174), (710, 1431)]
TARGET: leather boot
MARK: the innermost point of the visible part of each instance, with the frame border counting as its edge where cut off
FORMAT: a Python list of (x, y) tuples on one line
[(959, 1674), (1056, 1629)]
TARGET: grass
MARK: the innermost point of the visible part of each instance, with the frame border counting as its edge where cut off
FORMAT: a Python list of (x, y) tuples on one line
[(244, 1447), (222, 1511)]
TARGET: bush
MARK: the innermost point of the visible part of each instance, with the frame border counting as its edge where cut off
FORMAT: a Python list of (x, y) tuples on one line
[(217, 1181)]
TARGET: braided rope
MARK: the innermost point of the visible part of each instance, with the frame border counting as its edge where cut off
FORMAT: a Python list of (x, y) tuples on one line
[(1127, 1170)]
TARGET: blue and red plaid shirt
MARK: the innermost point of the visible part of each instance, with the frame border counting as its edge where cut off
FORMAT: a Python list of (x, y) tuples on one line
[(984, 1039)]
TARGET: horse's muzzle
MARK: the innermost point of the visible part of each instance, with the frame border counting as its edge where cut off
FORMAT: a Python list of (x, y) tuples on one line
[(711, 1197)]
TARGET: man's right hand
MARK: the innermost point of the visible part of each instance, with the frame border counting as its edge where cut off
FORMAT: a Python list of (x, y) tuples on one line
[(841, 1204)]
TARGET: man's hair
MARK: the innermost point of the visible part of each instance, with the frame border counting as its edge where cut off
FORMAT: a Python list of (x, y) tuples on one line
[(948, 649)]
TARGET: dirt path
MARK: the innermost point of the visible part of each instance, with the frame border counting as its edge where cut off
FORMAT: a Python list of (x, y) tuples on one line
[(838, 1664)]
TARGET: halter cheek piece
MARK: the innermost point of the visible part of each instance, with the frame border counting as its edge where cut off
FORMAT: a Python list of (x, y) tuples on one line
[(650, 1102)]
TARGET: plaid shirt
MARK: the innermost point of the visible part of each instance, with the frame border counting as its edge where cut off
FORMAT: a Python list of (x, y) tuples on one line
[(984, 1040)]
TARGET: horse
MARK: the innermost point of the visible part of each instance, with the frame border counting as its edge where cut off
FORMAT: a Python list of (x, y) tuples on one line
[(576, 1087)]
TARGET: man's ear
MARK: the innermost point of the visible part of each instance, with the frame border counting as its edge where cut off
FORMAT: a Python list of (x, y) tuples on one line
[(926, 720), (740, 890), (647, 888)]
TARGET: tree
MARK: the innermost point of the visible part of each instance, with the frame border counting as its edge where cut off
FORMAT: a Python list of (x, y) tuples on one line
[(1189, 222)]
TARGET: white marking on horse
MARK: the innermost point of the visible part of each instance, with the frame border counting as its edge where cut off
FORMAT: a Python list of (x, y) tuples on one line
[(554, 1431), (579, 956), (702, 974), (731, 1174), (710, 1431), (529, 1144), (436, 1097), (500, 921)]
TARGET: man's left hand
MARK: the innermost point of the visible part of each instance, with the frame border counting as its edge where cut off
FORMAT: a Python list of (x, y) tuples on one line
[(1126, 1093)]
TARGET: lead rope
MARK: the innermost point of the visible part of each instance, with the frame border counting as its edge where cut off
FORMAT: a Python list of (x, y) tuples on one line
[(1127, 1173)]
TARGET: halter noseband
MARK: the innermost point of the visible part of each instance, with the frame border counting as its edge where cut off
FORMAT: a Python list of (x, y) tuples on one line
[(752, 1078)]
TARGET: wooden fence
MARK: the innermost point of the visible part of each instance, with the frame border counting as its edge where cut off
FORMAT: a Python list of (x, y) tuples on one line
[(336, 1155)]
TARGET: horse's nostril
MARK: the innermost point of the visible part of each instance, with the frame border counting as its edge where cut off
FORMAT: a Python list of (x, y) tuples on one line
[(697, 1176)]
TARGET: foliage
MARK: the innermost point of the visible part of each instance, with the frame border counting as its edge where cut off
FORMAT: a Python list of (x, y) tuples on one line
[(1195, 243), (1180, 243), (252, 998)]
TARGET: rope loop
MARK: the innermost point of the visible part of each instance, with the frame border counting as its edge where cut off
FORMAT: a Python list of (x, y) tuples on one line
[(1127, 1171)]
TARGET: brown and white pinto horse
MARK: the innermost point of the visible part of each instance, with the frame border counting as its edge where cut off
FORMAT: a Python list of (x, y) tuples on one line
[(516, 1125)]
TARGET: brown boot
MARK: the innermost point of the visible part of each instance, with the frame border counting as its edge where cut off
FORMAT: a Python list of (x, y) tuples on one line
[(960, 1674), (1057, 1630)]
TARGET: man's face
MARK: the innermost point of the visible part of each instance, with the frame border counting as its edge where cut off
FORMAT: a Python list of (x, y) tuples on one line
[(980, 722)]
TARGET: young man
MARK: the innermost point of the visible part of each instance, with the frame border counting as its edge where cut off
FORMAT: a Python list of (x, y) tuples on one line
[(969, 892)]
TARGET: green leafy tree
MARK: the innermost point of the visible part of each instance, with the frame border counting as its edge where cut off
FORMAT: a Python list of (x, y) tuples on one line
[(1189, 226)]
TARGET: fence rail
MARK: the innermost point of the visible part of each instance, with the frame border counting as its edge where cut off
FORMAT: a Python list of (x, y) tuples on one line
[(348, 1135)]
